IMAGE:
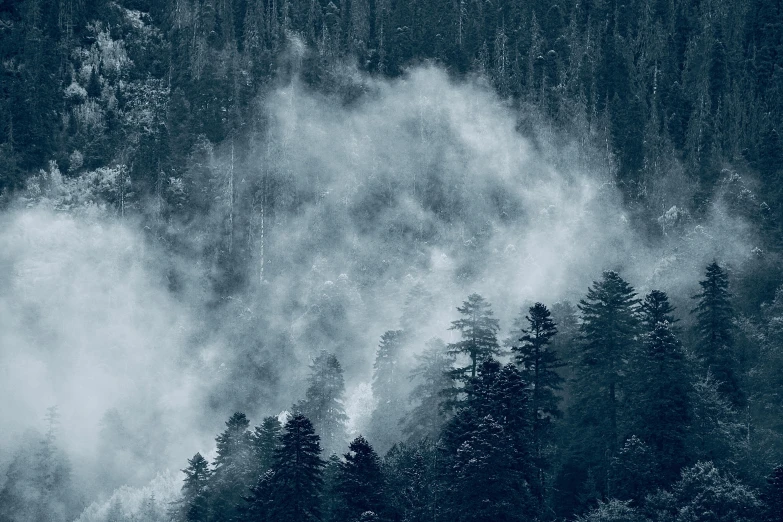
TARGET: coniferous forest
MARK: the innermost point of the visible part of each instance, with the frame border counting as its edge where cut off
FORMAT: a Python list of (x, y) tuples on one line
[(391, 261)]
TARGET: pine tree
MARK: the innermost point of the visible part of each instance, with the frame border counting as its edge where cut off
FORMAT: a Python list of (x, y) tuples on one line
[(609, 329), (656, 309), (479, 335), (360, 481), (232, 469), (387, 390), (295, 480), (323, 401), (539, 363), (195, 490), (428, 415), (660, 395), (265, 439), (715, 330), (483, 482), (608, 333)]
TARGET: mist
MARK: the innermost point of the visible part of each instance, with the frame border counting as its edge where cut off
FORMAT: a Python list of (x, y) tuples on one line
[(419, 180)]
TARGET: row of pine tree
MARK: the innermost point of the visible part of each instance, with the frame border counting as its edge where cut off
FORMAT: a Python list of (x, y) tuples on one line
[(609, 413)]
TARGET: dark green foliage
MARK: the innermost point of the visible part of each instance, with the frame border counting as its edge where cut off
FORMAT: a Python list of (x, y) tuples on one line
[(478, 330), (539, 364), (195, 491), (486, 464), (660, 396), (484, 483), (323, 401), (656, 309), (265, 440), (291, 490), (412, 492), (233, 470), (632, 473), (360, 482), (609, 335), (715, 329), (772, 496)]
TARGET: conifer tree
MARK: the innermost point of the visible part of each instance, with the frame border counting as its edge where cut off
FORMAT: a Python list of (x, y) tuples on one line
[(290, 491), (608, 333), (323, 401), (656, 309), (264, 440), (478, 330), (428, 415), (539, 363), (660, 399), (360, 481), (232, 468), (484, 484), (715, 331), (387, 389), (195, 499), (609, 329)]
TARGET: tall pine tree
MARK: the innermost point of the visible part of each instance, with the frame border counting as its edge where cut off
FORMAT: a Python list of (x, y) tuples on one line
[(715, 331), (233, 471), (478, 330), (360, 481), (539, 363), (195, 491), (291, 490)]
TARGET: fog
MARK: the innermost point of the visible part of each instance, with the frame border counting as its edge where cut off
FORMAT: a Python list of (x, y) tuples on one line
[(419, 180)]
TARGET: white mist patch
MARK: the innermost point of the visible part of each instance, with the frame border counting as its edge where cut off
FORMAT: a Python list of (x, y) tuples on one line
[(86, 325)]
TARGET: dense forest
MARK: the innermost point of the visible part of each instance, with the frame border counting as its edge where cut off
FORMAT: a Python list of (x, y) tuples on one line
[(275, 209)]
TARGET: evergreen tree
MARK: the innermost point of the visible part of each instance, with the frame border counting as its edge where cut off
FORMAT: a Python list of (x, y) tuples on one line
[(660, 397), (360, 481), (428, 415), (195, 490), (387, 390), (715, 331), (265, 439), (484, 484), (232, 469), (540, 363), (323, 401), (656, 309), (608, 332), (290, 491), (478, 330), (412, 491), (633, 471)]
